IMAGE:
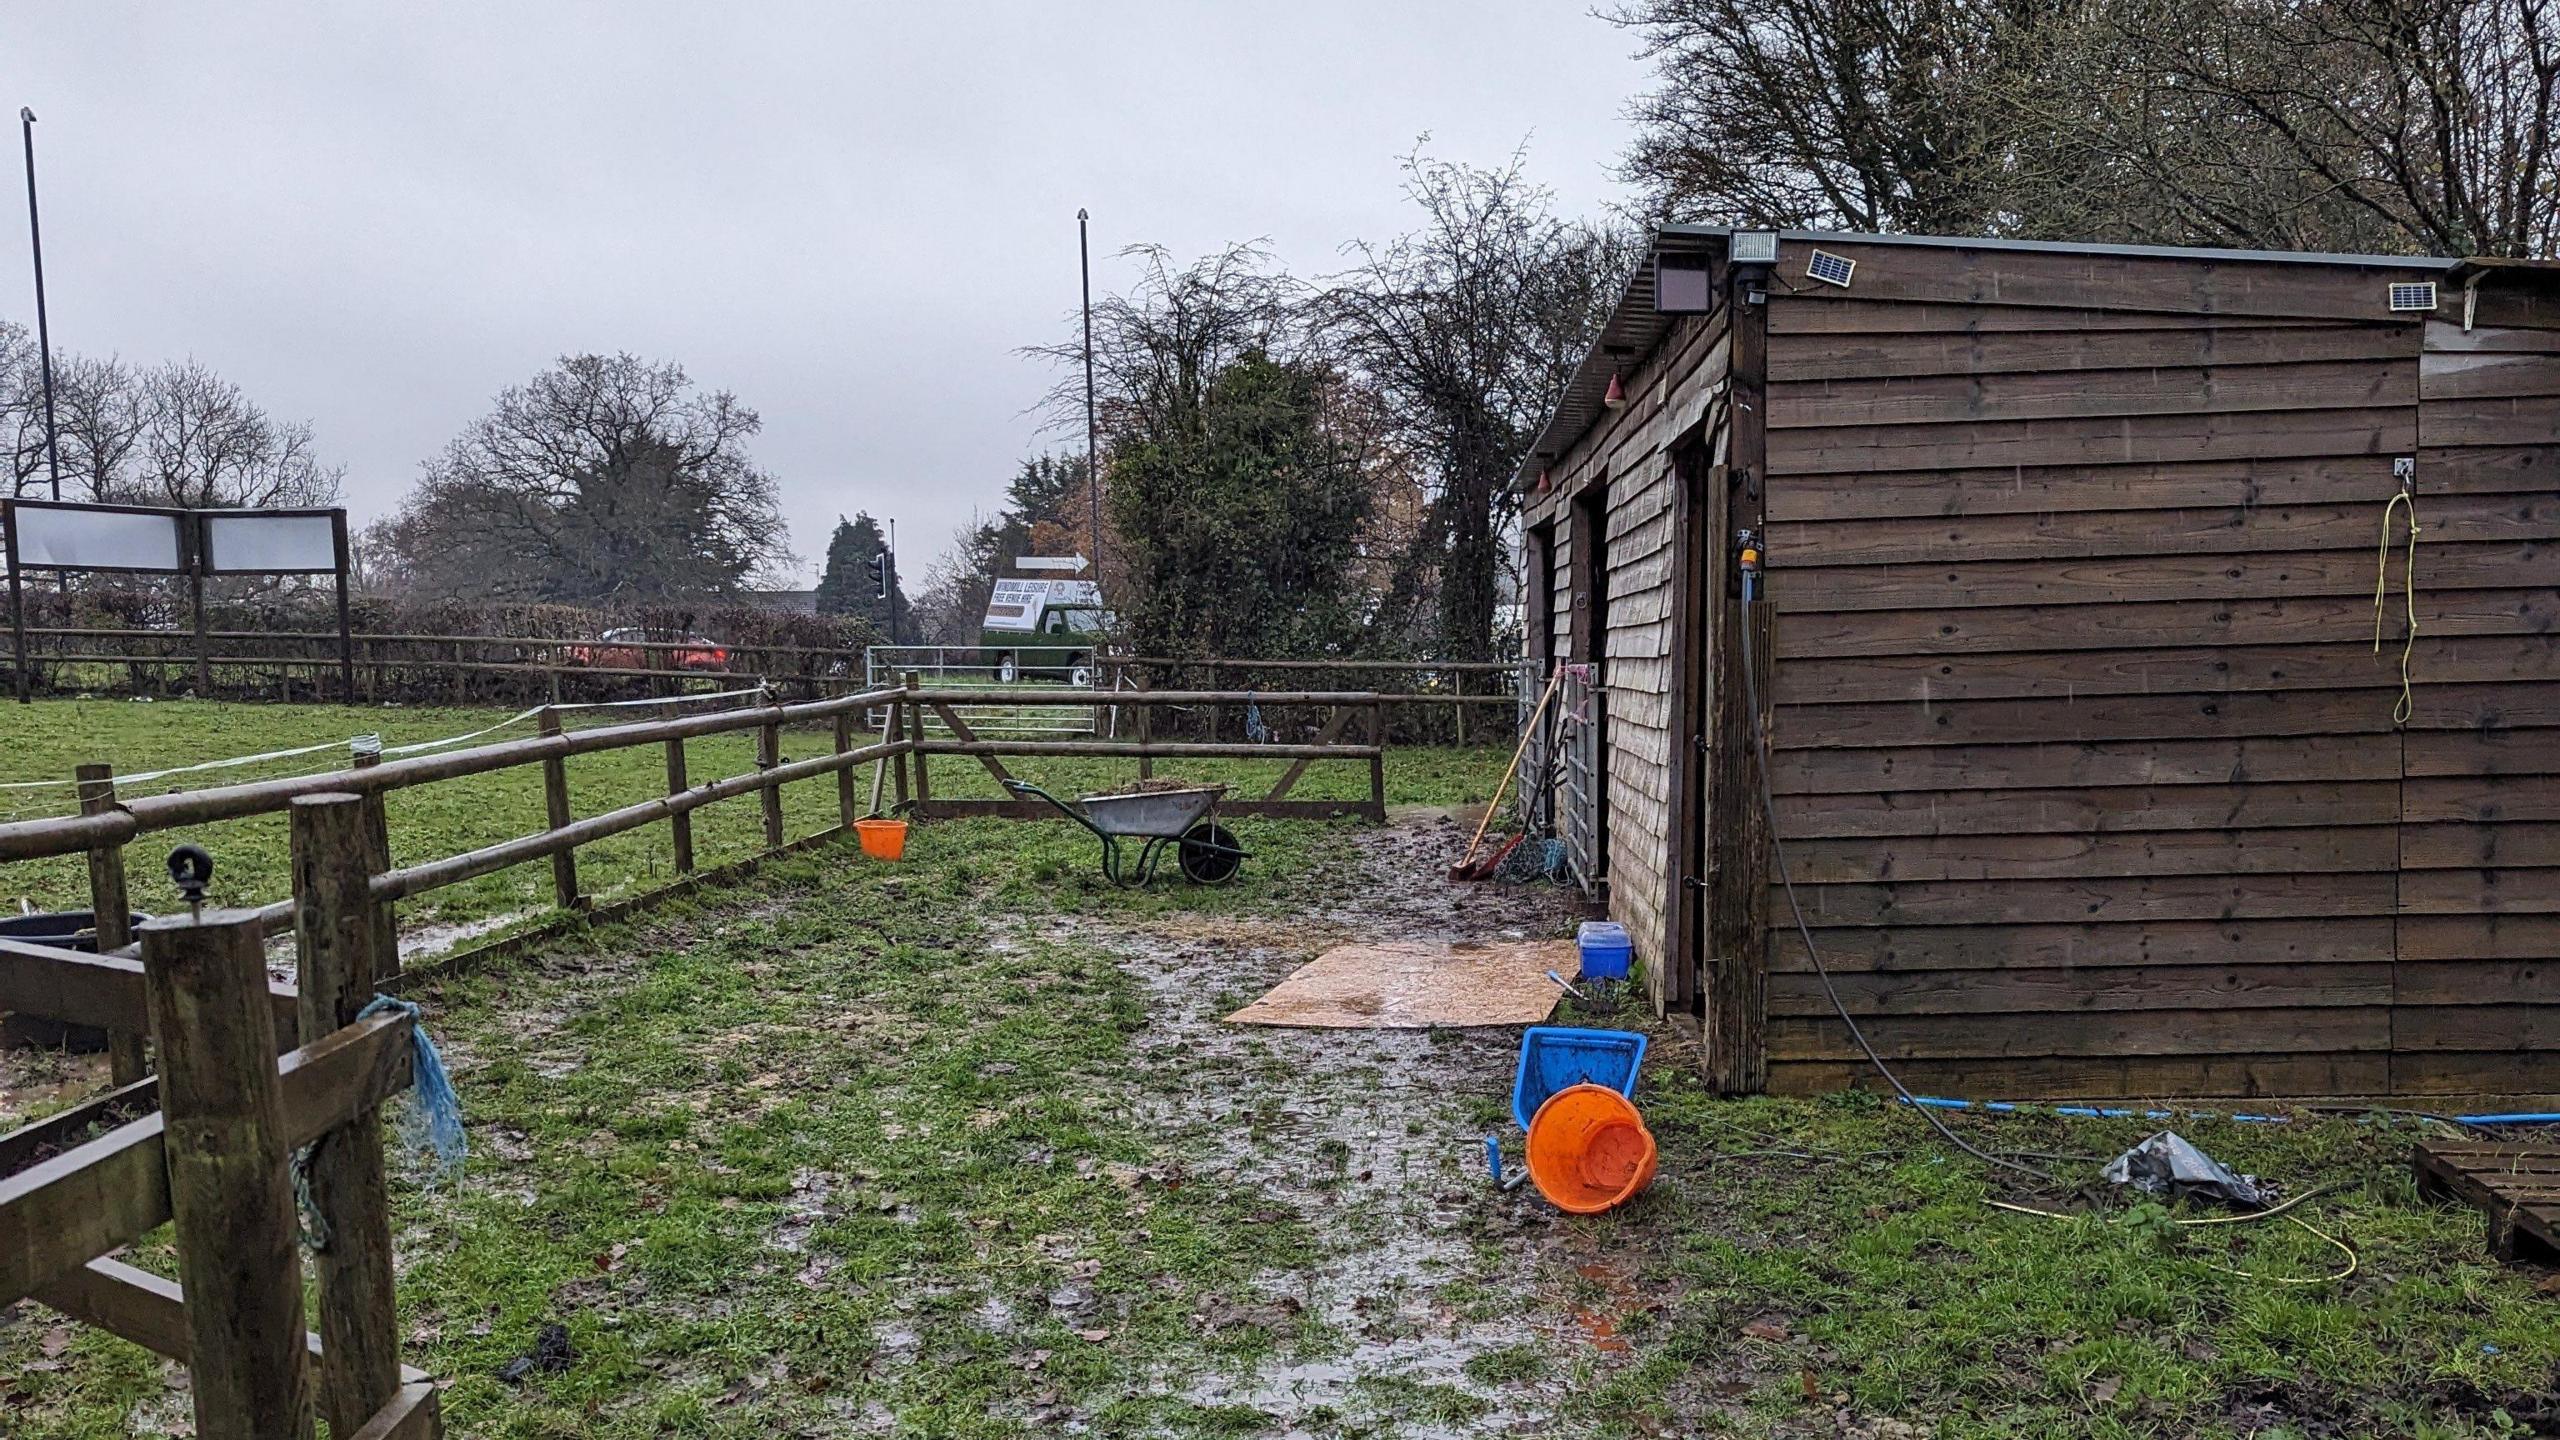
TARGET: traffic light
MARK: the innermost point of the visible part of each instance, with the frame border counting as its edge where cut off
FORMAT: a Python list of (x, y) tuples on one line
[(880, 573)]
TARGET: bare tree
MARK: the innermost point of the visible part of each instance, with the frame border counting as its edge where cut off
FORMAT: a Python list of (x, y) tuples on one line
[(2431, 125), (604, 478), (1856, 114), (2382, 125), (1469, 328), (195, 440)]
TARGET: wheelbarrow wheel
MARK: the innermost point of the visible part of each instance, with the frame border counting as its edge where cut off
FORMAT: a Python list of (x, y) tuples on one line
[(1210, 855)]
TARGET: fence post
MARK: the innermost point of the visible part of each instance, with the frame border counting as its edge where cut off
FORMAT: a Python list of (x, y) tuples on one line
[(680, 824), (1146, 718), (769, 755), (555, 804), (1460, 708), (461, 695), (915, 734), (333, 931), (111, 912), (846, 811), (896, 729), (205, 979), (1377, 761), (377, 854)]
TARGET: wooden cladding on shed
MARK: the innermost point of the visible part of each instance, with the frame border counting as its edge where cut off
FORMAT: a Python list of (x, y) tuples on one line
[(2086, 761)]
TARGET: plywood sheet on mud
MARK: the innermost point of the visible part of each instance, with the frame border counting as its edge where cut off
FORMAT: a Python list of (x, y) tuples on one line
[(1415, 984)]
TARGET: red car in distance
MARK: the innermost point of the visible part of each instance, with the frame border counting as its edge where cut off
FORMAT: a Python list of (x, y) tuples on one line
[(629, 650)]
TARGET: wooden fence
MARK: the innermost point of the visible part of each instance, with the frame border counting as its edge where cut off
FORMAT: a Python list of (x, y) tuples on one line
[(469, 669), (207, 1140)]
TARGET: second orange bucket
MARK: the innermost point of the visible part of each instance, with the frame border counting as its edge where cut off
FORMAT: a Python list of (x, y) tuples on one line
[(1589, 1150), (882, 839)]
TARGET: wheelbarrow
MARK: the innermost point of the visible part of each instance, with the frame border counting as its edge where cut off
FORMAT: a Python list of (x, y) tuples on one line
[(1159, 820)]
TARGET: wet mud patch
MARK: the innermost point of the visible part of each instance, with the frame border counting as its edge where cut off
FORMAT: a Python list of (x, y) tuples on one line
[(1416, 1316)]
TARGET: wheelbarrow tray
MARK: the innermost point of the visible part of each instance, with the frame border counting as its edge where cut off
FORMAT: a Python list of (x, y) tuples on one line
[(1154, 814)]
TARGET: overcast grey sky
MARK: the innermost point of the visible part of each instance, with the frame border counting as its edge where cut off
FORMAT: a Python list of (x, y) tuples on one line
[(377, 216)]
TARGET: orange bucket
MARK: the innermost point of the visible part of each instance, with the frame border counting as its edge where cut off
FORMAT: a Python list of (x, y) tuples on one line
[(1589, 1150), (882, 839)]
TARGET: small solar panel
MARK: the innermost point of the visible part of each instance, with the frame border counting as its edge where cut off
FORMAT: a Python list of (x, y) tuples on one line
[(2417, 296), (1830, 269)]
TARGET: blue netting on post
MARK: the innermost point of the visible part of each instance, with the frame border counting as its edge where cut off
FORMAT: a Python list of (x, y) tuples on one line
[(431, 1117)]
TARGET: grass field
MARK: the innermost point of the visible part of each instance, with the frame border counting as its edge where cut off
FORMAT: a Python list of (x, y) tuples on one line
[(961, 1148), (49, 739)]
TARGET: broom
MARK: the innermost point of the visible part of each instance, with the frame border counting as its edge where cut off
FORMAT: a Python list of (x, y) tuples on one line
[(1459, 870)]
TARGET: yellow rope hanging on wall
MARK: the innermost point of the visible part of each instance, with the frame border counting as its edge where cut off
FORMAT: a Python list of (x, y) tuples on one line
[(2401, 712)]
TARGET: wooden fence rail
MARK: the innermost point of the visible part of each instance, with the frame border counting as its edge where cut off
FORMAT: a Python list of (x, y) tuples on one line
[(547, 667)]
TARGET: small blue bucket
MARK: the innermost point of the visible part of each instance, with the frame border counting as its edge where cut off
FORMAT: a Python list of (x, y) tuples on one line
[(1553, 1057), (1607, 953)]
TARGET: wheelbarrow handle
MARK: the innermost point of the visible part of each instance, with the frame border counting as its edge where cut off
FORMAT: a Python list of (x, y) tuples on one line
[(1072, 812)]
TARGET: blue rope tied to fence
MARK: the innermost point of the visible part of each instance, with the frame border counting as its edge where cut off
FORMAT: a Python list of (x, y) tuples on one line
[(430, 1120), (1254, 729)]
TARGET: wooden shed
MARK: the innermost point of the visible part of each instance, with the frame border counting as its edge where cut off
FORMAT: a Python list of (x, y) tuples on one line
[(2088, 582)]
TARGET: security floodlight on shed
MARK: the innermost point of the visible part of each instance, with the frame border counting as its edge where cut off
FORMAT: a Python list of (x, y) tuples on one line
[(1753, 247)]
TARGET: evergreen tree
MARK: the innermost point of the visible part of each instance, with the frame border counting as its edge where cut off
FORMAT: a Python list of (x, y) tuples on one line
[(850, 586)]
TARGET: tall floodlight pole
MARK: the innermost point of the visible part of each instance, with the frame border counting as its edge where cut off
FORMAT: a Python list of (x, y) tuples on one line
[(44, 339), (1092, 472)]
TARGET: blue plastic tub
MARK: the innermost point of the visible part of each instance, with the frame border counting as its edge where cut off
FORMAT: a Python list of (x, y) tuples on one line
[(1555, 1056), (1607, 953)]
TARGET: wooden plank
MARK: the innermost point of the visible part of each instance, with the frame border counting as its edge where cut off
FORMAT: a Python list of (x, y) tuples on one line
[(2511, 420), (2101, 899), (1740, 698), (104, 991), (2087, 395), (2477, 982), (2027, 995), (2104, 1077), (2197, 530), (2480, 892), (2059, 279), (2472, 1072), (112, 917), (2048, 764), (2480, 800), (2512, 844), (2445, 337), (2287, 940), (2509, 1027), (2291, 620), (2214, 852), (2111, 580), (57, 1132), (2488, 373), (2244, 483), (2164, 717), (348, 1190), (2341, 1029), (1796, 328), (2507, 750), (135, 1305), (2479, 937), (769, 795), (411, 1415), (2091, 811), (229, 1194), (555, 804), (2067, 347), (1811, 678), (1331, 734), (106, 1192), (1258, 809), (2314, 429)]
